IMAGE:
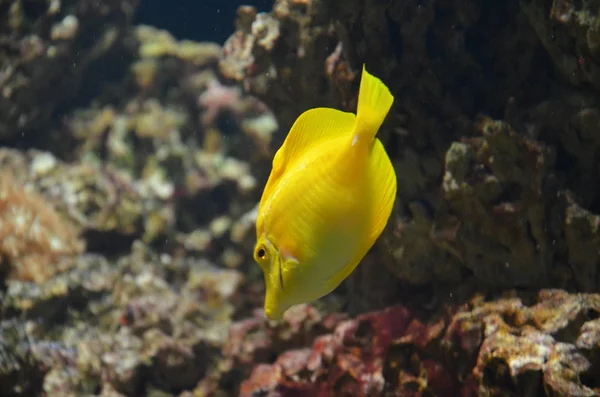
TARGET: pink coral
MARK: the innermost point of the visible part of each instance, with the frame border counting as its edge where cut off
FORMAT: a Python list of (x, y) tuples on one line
[(216, 98), (352, 361), (478, 348)]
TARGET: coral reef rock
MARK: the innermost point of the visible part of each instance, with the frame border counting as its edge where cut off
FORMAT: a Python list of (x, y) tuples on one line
[(132, 164), (494, 151), (49, 49), (489, 348), (34, 238)]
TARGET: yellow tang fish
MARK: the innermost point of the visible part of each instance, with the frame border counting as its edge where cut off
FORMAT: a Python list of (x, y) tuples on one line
[(328, 197)]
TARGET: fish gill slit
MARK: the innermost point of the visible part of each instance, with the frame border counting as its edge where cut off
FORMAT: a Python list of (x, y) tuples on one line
[(280, 275)]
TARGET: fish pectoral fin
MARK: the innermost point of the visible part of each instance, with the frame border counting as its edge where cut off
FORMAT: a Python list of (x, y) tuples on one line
[(312, 128), (287, 266)]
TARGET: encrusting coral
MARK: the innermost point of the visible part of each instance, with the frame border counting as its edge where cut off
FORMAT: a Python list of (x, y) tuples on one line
[(486, 348), (34, 237)]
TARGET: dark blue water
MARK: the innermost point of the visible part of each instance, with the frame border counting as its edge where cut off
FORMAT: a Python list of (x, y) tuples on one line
[(200, 20)]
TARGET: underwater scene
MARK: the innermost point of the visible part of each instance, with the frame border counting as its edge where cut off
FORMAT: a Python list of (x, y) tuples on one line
[(272, 198)]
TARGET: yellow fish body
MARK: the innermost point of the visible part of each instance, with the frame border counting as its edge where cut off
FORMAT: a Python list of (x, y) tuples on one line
[(329, 195)]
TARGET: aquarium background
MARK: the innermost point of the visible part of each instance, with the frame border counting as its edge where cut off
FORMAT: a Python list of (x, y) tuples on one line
[(136, 138)]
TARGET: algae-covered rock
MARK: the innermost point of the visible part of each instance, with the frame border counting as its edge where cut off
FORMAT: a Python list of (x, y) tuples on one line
[(166, 153), (34, 238), (177, 135), (476, 196), (495, 186), (496, 158), (570, 33), (137, 160), (93, 198), (503, 346), (111, 324), (278, 56), (581, 234), (48, 49)]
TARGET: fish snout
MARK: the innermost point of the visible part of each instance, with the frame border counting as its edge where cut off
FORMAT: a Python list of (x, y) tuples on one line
[(274, 306), (273, 314)]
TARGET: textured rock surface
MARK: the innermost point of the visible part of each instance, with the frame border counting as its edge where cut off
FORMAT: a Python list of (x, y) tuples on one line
[(493, 149), (134, 163), (123, 230), (501, 347), (48, 52)]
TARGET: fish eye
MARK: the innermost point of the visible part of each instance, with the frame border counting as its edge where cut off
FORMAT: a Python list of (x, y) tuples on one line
[(261, 253)]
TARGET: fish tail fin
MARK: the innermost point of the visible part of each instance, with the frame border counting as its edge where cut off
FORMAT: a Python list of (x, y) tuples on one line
[(374, 103)]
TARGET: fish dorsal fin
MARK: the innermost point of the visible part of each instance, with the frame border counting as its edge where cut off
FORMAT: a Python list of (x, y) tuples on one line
[(382, 187), (311, 128)]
